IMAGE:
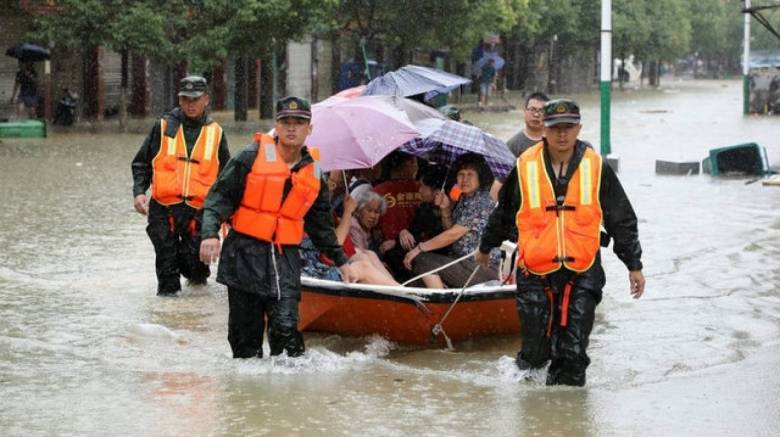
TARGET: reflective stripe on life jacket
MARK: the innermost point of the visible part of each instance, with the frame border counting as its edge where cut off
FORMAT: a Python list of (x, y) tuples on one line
[(177, 176), (263, 212), (552, 235)]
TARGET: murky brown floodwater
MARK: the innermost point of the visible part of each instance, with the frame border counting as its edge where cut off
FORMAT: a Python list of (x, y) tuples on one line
[(86, 348)]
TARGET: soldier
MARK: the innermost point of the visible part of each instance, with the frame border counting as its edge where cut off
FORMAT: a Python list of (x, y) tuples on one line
[(558, 195), (181, 158), (272, 191)]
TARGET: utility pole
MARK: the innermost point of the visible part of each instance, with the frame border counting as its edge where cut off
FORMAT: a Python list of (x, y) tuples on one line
[(746, 62), (606, 74)]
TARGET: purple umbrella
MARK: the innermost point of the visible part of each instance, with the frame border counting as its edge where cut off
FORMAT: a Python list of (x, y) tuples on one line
[(358, 132), (414, 79), (443, 141)]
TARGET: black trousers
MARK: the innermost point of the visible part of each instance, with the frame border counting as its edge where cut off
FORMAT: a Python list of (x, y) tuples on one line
[(565, 347), (246, 323), (175, 234)]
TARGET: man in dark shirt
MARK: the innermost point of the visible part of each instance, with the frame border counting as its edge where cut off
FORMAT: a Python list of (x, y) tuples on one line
[(556, 302), (534, 124), (172, 157)]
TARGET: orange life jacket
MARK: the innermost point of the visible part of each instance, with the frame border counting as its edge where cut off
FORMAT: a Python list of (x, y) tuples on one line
[(263, 213), (178, 177), (551, 236)]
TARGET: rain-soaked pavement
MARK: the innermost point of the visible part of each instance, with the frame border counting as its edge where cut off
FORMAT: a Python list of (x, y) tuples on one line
[(86, 348)]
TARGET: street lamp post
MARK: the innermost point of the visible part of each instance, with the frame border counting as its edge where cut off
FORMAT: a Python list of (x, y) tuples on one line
[(606, 74), (746, 62)]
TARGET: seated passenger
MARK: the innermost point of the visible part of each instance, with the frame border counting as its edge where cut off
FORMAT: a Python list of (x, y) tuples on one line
[(367, 269), (371, 206), (425, 224), (400, 191), (463, 223)]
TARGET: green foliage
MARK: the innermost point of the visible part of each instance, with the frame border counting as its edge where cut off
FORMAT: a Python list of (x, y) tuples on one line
[(205, 32), (630, 27), (457, 25)]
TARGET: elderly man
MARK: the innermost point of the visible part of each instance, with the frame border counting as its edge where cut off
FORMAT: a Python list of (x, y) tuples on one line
[(271, 192), (181, 157), (558, 195)]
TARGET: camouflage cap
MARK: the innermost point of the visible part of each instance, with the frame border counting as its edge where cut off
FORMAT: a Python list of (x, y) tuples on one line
[(193, 86), (561, 111), (291, 106)]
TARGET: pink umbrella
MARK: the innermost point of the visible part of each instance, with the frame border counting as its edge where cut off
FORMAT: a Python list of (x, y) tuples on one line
[(351, 92), (358, 132)]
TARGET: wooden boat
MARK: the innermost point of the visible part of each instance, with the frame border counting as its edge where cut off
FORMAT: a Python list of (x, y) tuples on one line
[(740, 159), (22, 129), (407, 315)]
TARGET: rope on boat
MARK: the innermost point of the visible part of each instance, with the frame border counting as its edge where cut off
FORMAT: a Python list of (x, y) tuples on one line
[(437, 269), (438, 328)]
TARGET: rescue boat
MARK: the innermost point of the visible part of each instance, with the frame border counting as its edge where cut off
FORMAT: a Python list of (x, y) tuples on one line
[(408, 315)]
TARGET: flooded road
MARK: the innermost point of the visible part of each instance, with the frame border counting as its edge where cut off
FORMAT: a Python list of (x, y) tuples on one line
[(86, 348)]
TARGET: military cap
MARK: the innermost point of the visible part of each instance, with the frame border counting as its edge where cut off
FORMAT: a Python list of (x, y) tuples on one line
[(193, 86), (291, 106), (560, 111)]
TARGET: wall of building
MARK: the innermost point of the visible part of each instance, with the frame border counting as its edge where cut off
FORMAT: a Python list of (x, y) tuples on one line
[(299, 62)]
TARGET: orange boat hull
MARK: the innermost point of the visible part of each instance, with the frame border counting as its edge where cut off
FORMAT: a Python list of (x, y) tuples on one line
[(404, 321)]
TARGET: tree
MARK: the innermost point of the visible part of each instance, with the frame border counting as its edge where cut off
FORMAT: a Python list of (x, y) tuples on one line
[(669, 36), (630, 29), (248, 29), (457, 25)]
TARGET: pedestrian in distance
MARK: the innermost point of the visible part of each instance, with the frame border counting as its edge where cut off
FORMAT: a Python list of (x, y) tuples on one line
[(487, 82), (25, 92), (180, 158), (558, 195), (532, 132), (272, 192)]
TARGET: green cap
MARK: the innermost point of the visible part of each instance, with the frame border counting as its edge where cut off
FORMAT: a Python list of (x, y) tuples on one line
[(193, 86), (561, 111), (291, 106)]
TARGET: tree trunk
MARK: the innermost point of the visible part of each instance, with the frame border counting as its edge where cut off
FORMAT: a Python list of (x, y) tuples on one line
[(123, 92), (652, 74), (240, 95), (266, 88), (252, 80), (621, 75)]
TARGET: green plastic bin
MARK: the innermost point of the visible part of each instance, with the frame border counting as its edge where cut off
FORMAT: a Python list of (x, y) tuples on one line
[(23, 129)]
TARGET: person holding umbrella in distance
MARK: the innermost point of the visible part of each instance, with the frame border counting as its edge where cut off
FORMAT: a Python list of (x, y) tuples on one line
[(558, 195)]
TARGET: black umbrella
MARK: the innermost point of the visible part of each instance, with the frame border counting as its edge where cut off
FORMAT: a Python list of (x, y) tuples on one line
[(28, 52)]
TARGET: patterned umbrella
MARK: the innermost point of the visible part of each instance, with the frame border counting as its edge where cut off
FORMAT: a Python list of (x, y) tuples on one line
[(442, 141)]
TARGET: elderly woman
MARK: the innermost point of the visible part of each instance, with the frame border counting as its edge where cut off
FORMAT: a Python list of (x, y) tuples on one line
[(371, 206), (463, 225), (366, 266)]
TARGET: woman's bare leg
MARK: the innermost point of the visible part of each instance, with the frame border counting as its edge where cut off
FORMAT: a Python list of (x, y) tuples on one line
[(367, 273)]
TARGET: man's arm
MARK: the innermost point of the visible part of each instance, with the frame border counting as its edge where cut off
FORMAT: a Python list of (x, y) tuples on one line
[(501, 224), (141, 166), (318, 224), (620, 220)]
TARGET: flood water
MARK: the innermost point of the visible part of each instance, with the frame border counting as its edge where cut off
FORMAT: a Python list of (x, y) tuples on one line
[(86, 348)]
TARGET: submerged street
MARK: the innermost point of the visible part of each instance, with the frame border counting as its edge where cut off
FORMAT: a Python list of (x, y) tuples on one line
[(87, 348)]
